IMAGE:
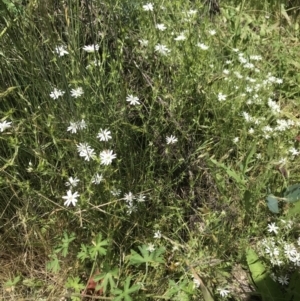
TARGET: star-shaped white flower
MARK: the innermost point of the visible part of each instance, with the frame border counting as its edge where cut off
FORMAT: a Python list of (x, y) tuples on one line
[(104, 135), (77, 92), (133, 100), (4, 125), (272, 228), (61, 50), (71, 198), (72, 182), (148, 7), (107, 156), (157, 234), (171, 139)]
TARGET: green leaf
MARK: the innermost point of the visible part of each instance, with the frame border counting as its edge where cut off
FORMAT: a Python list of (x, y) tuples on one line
[(269, 290), (74, 283), (84, 253), (65, 243), (127, 290), (146, 256), (12, 282), (53, 265), (107, 277), (272, 202), (292, 193), (98, 249)]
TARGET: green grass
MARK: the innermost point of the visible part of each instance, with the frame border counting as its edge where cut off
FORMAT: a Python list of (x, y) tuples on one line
[(205, 193)]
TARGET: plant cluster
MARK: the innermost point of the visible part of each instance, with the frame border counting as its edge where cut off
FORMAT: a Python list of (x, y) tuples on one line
[(139, 145)]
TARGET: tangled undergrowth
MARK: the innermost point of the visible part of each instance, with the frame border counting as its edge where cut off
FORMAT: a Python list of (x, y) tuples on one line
[(149, 150)]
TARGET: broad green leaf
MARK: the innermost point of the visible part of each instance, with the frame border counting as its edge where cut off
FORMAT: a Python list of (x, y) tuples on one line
[(269, 290), (292, 193), (97, 248), (272, 202)]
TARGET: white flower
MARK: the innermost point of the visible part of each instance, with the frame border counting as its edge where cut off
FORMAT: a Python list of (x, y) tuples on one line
[(56, 93), (282, 161), (272, 228), (129, 197), (223, 292), (91, 48), (97, 179), (115, 192), (81, 124), (284, 280), (104, 135), (249, 65), (73, 127), (226, 71), (196, 282), (298, 241), (161, 27), (70, 198), (148, 7), (141, 198), (192, 12), (290, 251), (144, 43), (171, 139), (61, 50), (4, 125), (235, 140), (181, 37), (251, 131), (162, 49), (294, 151), (85, 151), (30, 167), (157, 234), (221, 97), (202, 46), (150, 248), (107, 156), (273, 106), (76, 92), (287, 224), (72, 182), (212, 32), (255, 57), (130, 208), (133, 100)]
